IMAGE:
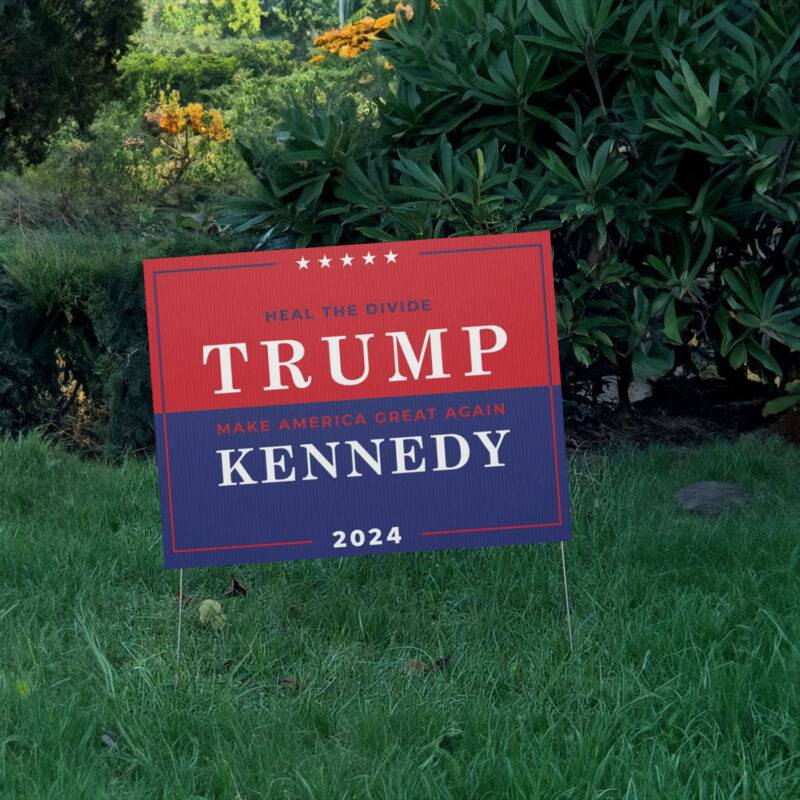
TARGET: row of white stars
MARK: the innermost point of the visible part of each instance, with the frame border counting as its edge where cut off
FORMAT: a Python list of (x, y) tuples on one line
[(347, 260)]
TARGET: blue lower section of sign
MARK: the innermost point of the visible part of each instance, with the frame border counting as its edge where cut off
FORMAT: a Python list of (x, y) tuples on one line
[(325, 480)]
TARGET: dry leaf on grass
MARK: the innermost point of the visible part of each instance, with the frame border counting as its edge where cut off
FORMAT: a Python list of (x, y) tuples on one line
[(292, 684), (424, 667), (236, 587)]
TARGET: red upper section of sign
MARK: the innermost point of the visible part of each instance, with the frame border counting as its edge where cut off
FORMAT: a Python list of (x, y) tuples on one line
[(249, 298)]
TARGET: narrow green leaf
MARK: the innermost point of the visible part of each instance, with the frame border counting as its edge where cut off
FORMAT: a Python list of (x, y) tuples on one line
[(780, 404), (671, 329), (738, 36), (764, 179), (757, 351), (554, 163), (582, 354), (376, 234), (740, 290), (737, 355), (545, 20), (521, 61), (636, 20), (702, 103)]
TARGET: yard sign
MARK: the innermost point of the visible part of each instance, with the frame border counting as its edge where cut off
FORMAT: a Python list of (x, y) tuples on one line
[(370, 398)]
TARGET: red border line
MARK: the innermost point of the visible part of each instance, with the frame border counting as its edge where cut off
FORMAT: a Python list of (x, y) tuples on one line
[(499, 528), (422, 533), (240, 546)]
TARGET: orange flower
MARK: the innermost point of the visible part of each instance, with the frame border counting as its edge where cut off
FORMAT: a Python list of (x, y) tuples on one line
[(356, 37), (382, 23), (324, 38), (194, 113), (173, 118), (217, 130)]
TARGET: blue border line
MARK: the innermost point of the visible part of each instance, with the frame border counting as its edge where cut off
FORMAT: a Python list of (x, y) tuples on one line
[(158, 340), (478, 249), (226, 266)]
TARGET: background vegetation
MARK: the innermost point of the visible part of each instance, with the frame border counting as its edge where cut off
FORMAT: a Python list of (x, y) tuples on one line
[(96, 180), (657, 140)]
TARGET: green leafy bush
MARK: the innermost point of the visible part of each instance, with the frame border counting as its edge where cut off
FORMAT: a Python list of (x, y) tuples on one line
[(87, 178), (16, 364), (299, 20), (196, 74), (73, 333), (209, 17), (346, 88), (118, 172), (658, 140), (144, 73)]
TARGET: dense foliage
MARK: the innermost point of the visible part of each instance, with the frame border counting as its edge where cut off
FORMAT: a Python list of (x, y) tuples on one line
[(195, 74), (56, 60), (140, 180), (657, 140), (297, 19), (73, 334), (209, 17)]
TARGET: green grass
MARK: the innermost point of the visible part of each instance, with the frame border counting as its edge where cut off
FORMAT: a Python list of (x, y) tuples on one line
[(683, 684)]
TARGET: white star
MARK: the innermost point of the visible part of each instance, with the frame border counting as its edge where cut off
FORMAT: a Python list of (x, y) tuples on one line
[(391, 258), (347, 260), (325, 262), (368, 258), (303, 263)]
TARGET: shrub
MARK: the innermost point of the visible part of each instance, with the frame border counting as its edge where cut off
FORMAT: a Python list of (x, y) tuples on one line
[(209, 17), (256, 104), (122, 171), (145, 74), (196, 74), (299, 20), (657, 140), (73, 333), (16, 364), (187, 135), (87, 179)]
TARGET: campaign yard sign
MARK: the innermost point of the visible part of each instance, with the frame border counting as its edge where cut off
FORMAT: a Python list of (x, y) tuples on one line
[(369, 398)]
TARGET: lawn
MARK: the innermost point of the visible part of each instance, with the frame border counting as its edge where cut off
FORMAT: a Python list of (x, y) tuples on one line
[(684, 682)]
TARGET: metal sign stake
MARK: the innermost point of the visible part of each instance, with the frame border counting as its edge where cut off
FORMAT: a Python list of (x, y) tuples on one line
[(566, 597), (180, 621)]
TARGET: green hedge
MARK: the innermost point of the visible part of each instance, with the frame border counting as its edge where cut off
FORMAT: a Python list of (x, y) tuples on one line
[(658, 140), (195, 74), (72, 309)]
